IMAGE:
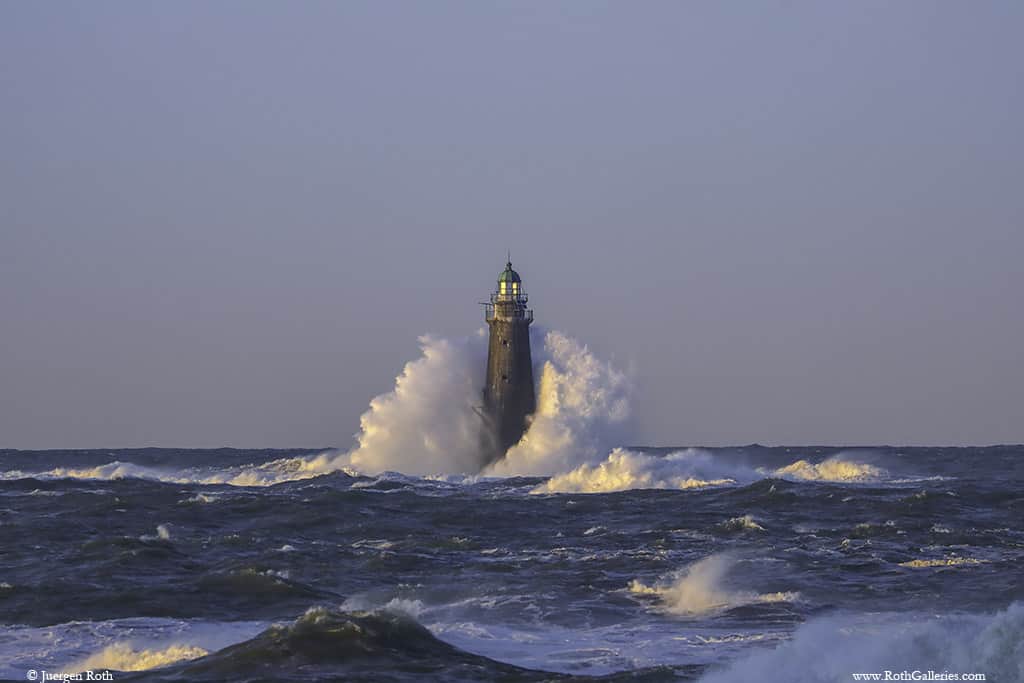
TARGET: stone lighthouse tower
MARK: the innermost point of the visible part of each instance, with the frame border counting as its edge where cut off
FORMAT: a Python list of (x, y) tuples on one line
[(508, 393)]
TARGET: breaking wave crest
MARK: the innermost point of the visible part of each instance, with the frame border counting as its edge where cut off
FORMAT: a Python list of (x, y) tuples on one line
[(624, 470), (836, 468), (834, 647), (692, 468), (121, 657), (740, 524), (341, 645), (699, 589), (263, 474)]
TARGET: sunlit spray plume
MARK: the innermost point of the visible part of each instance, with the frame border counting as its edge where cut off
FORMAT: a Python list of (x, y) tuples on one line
[(582, 411), (429, 423), (700, 589)]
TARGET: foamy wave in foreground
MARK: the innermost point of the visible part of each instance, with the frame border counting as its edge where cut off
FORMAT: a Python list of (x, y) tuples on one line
[(830, 649), (132, 644), (121, 657), (699, 589)]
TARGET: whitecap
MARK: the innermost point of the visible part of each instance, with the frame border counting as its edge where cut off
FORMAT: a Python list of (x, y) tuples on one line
[(741, 523), (699, 590), (953, 561), (838, 468), (625, 470)]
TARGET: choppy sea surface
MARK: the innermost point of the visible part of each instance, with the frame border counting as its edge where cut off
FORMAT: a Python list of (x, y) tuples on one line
[(788, 564)]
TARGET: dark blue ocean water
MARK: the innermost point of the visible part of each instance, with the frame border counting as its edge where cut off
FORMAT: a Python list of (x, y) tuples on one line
[(895, 558)]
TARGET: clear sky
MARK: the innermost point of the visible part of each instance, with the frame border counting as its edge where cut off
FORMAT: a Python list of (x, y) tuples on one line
[(226, 223)]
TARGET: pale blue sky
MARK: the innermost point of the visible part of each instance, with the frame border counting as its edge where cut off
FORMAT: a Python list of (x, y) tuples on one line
[(226, 223)]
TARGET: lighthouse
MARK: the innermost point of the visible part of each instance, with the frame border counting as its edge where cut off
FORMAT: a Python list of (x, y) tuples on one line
[(508, 395)]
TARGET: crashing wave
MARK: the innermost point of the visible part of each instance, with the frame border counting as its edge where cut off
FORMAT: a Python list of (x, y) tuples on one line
[(693, 468), (624, 470), (582, 410), (428, 423), (838, 468), (698, 589)]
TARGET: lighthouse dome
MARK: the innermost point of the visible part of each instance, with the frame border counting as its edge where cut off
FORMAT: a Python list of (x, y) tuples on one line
[(509, 275)]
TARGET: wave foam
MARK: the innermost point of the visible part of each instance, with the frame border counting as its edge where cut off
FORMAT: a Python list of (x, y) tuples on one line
[(263, 474), (742, 523), (942, 562), (830, 649), (163, 533), (121, 657), (624, 470), (698, 589), (563, 447), (428, 422), (838, 468), (582, 410), (109, 471), (401, 606)]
